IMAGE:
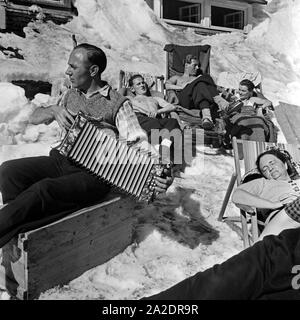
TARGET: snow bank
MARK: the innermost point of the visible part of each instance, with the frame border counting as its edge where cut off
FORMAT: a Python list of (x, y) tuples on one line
[(277, 40), (133, 39), (15, 110), (12, 101)]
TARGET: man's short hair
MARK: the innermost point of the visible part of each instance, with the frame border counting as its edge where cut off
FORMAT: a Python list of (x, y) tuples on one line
[(95, 55), (247, 83), (188, 59), (135, 76)]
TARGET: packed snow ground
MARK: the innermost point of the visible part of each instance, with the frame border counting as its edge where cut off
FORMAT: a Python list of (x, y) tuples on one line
[(179, 234)]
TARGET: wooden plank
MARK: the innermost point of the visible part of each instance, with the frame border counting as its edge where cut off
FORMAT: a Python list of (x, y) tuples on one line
[(77, 227), (64, 250), (227, 196), (288, 117), (61, 251), (75, 259), (39, 248), (107, 201)]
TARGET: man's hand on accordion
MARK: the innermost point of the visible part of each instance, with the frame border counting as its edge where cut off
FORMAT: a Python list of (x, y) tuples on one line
[(62, 116), (162, 184)]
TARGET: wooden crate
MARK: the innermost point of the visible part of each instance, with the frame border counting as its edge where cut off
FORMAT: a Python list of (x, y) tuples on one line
[(55, 254)]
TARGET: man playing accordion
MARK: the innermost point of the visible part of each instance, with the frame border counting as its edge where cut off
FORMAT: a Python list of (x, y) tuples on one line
[(44, 188)]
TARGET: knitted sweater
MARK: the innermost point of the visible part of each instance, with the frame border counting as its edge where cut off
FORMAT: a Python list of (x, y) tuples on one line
[(102, 108)]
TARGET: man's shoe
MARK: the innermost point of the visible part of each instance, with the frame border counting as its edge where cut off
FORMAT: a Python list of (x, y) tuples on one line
[(207, 124)]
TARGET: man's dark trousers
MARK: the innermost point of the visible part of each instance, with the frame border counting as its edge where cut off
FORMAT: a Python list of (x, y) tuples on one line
[(43, 189), (199, 94), (266, 270)]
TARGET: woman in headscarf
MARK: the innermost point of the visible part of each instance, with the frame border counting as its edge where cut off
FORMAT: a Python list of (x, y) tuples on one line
[(278, 186)]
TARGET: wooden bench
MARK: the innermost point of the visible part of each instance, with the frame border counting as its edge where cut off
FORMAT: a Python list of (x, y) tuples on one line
[(57, 253)]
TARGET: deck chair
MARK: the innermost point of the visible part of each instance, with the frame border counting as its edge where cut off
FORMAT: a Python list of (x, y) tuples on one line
[(245, 155), (244, 125), (175, 55), (288, 117)]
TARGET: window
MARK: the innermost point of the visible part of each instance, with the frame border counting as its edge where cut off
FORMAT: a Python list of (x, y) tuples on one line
[(182, 11), (226, 17), (234, 20), (214, 14), (190, 13)]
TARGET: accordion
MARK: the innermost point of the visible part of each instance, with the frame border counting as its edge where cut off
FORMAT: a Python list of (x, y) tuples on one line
[(93, 146)]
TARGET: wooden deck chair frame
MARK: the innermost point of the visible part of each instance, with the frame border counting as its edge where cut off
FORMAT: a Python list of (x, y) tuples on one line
[(153, 81), (175, 55), (247, 151), (237, 177)]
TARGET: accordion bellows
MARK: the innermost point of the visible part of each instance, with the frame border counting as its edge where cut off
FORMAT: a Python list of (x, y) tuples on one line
[(94, 147)]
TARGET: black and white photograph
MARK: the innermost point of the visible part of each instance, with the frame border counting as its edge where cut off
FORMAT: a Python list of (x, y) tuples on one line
[(149, 151)]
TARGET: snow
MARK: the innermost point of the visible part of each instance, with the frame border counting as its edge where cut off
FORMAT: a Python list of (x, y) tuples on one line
[(179, 234)]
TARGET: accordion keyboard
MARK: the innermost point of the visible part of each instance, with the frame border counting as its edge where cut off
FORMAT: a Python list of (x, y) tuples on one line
[(89, 145)]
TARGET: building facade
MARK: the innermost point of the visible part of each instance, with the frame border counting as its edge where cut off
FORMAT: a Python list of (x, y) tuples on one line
[(207, 16), (15, 14)]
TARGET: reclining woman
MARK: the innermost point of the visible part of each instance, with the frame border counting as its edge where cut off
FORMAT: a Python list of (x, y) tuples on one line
[(250, 99), (278, 186), (248, 118)]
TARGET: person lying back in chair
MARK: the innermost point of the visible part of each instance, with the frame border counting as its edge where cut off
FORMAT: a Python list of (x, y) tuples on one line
[(250, 101), (149, 108), (197, 91), (278, 186), (248, 116)]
